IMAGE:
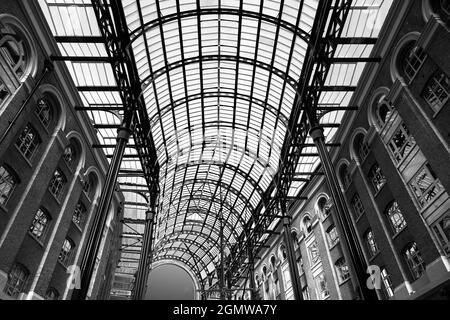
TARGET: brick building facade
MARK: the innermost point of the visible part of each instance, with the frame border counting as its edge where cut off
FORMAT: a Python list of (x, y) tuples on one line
[(50, 176), (393, 170)]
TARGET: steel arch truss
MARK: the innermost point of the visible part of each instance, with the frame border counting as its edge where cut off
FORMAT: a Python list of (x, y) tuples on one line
[(217, 93)]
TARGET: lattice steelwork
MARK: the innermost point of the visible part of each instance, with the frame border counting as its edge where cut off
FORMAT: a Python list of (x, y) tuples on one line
[(220, 80)]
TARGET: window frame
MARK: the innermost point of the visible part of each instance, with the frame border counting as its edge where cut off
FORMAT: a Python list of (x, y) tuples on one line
[(13, 178), (435, 93), (65, 257), (371, 243), (325, 293), (414, 59), (45, 227), (387, 282), (439, 230), (18, 286), (377, 178), (332, 242), (40, 112), (31, 146), (422, 195), (57, 193), (417, 268), (358, 206), (342, 270), (400, 153), (398, 228)]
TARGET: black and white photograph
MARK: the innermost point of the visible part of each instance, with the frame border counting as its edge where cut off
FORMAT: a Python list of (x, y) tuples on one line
[(217, 158)]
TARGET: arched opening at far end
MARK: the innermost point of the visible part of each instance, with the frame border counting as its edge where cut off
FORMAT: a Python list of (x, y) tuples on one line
[(170, 282)]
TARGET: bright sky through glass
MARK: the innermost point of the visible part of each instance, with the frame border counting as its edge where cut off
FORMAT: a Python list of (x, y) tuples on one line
[(220, 79)]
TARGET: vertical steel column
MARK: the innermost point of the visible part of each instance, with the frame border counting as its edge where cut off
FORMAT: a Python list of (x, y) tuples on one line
[(142, 273), (342, 219), (95, 235), (293, 267), (251, 272), (222, 269)]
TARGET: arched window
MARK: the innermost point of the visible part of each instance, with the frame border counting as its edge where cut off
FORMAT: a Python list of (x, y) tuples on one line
[(89, 185), (79, 215), (52, 294), (12, 50), (17, 280), (8, 183), (370, 243), (377, 177), (344, 175), (384, 111), (66, 253), (342, 270), (395, 217), (273, 263), (412, 60), (324, 207), (69, 154), (307, 225), (414, 259), (40, 224), (44, 112), (361, 147), (283, 252), (295, 240)]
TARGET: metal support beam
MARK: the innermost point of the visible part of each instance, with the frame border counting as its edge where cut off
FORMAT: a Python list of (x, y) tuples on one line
[(293, 267), (351, 247), (251, 273), (142, 273), (95, 236)]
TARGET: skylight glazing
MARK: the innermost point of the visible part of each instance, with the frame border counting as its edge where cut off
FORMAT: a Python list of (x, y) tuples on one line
[(219, 81)]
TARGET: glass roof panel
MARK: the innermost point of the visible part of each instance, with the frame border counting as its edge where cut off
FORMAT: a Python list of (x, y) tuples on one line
[(219, 88)]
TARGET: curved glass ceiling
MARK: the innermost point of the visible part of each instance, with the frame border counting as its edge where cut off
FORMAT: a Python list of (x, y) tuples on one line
[(219, 80)]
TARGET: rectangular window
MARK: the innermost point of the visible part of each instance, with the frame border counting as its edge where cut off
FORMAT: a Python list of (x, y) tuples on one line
[(17, 281), (442, 230), (425, 186), (332, 236), (388, 287), (57, 183), (314, 255), (437, 91), (414, 259), (40, 224), (357, 205), (28, 142), (342, 270), (401, 143), (65, 255), (377, 177), (322, 287)]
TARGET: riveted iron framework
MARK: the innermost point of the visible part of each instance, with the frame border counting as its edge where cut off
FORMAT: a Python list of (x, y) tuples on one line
[(220, 96)]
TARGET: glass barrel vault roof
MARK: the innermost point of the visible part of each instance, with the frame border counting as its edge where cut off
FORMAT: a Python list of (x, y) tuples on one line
[(220, 78)]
